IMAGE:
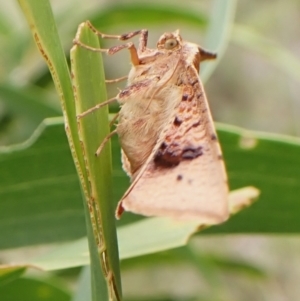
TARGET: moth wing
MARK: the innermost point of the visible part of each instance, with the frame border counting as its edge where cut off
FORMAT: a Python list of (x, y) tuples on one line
[(184, 177)]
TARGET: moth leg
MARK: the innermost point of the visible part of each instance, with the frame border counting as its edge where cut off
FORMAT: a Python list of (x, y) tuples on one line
[(133, 51), (143, 38), (105, 140), (122, 96), (103, 143), (130, 46), (96, 107), (111, 123), (142, 32), (117, 80)]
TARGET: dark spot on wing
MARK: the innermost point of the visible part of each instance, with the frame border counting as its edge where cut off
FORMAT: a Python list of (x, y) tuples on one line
[(196, 124), (170, 155), (163, 146), (192, 153), (167, 156), (220, 157), (179, 177), (194, 82), (185, 97), (214, 137), (177, 121), (165, 160)]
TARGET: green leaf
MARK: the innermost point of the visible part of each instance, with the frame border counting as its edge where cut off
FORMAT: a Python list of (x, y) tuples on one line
[(39, 193), (93, 128), (43, 27), (103, 246), (10, 273), (22, 111), (29, 289), (143, 237), (33, 104), (43, 164), (264, 160), (39, 178), (270, 163), (42, 24)]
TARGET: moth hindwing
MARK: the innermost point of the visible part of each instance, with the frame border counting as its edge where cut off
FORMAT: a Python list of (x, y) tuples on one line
[(169, 144)]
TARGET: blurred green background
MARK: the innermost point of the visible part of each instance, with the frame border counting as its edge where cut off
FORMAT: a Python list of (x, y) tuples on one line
[(255, 86)]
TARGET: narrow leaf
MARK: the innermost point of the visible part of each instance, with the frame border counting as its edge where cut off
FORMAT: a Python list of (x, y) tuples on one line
[(218, 33), (92, 131)]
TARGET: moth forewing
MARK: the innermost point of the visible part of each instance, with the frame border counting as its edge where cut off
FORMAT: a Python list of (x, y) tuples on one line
[(180, 172), (194, 189)]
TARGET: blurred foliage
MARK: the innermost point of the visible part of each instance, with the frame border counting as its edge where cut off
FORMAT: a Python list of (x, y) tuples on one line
[(33, 289), (257, 82)]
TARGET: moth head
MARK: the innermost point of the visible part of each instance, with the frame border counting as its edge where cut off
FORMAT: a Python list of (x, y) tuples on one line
[(169, 41)]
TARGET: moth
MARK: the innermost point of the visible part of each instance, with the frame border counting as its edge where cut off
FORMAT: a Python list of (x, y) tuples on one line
[(169, 144)]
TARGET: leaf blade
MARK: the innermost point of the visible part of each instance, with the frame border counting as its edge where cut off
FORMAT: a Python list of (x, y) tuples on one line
[(92, 130)]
